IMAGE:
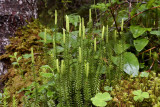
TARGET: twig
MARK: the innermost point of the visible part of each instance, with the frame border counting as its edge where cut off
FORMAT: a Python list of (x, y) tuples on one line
[(115, 21), (147, 50), (151, 66)]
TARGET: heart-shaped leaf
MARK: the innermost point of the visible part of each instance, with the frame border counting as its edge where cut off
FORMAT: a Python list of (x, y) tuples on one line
[(131, 64), (145, 94), (138, 98), (120, 48), (155, 33), (140, 44), (137, 30), (137, 92)]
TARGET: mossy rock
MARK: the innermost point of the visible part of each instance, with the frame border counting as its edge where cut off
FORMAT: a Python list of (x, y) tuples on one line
[(16, 79)]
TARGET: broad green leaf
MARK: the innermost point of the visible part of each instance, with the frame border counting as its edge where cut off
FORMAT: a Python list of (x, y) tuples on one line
[(98, 102), (15, 63), (47, 75), (139, 95), (144, 74), (116, 59), (138, 31), (137, 92), (26, 56), (155, 33), (136, 98), (131, 64), (141, 99), (101, 98), (145, 94), (140, 44), (120, 48)]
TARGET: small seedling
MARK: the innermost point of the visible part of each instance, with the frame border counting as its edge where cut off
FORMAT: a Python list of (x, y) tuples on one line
[(101, 98), (17, 62), (139, 95), (17, 58)]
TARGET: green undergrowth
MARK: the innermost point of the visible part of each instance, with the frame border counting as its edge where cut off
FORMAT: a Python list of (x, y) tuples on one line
[(19, 74), (86, 63), (125, 91)]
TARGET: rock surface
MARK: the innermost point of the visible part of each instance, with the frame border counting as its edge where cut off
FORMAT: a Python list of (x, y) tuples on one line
[(13, 14)]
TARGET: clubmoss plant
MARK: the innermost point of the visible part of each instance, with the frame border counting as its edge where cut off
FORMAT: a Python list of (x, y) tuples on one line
[(103, 29), (34, 75), (14, 102), (95, 44), (107, 34), (5, 98), (55, 17)]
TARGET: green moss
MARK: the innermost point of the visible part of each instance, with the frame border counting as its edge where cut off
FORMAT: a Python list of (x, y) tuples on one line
[(26, 38), (123, 91)]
